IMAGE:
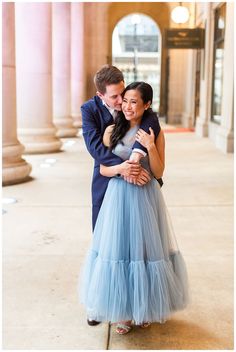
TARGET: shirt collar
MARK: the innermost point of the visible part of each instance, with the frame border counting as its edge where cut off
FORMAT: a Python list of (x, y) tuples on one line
[(113, 112)]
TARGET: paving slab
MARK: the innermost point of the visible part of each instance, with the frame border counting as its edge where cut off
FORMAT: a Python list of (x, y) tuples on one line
[(46, 235)]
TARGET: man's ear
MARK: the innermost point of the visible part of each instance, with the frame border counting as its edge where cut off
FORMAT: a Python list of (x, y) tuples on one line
[(100, 95)]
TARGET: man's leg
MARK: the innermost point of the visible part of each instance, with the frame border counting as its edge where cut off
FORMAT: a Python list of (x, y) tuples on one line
[(95, 211)]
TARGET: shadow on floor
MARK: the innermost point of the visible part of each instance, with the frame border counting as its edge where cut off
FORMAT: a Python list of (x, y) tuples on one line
[(173, 335)]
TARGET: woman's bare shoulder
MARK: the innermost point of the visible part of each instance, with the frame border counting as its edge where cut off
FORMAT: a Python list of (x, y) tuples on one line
[(109, 129), (107, 135)]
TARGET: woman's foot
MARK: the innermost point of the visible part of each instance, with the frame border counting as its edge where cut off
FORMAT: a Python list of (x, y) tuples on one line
[(123, 327)]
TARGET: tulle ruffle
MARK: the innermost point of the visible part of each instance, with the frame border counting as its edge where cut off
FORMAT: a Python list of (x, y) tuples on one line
[(134, 269), (139, 291)]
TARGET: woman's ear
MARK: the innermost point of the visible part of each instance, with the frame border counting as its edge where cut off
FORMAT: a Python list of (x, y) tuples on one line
[(147, 106)]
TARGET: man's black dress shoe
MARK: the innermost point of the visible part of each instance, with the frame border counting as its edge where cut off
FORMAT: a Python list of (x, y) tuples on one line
[(93, 322)]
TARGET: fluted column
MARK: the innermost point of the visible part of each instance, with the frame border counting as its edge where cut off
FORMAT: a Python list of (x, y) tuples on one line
[(61, 70), (15, 169), (188, 104), (225, 134), (34, 77), (203, 119), (77, 61)]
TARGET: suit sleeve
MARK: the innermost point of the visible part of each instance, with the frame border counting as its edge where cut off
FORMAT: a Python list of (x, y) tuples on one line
[(93, 139), (148, 120)]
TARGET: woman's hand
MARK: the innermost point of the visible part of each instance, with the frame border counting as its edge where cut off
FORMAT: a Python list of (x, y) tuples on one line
[(142, 179), (147, 140), (129, 168)]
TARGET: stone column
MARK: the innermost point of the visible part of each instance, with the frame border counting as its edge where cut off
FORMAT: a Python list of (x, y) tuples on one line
[(177, 85), (189, 101), (77, 61), (15, 169), (202, 121), (34, 78), (225, 133), (96, 49), (188, 104), (62, 70)]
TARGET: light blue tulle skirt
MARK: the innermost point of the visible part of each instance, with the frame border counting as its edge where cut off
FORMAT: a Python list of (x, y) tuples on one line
[(134, 269)]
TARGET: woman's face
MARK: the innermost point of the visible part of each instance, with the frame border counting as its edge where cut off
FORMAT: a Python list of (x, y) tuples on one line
[(133, 106)]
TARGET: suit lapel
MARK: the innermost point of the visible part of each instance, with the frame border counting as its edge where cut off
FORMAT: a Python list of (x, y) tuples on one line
[(107, 117)]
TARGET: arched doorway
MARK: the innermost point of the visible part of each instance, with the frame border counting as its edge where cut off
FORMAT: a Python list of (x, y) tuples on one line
[(136, 51)]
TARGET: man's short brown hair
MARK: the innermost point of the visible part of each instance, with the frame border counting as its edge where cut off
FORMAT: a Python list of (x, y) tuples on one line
[(107, 75)]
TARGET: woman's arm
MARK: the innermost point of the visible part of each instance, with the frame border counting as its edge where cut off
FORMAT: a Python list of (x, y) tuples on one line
[(149, 119), (107, 135), (156, 150), (125, 169)]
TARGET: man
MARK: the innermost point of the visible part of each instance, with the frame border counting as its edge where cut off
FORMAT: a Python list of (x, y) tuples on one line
[(98, 113)]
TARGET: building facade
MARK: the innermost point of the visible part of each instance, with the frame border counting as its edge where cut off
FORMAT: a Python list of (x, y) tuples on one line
[(58, 47)]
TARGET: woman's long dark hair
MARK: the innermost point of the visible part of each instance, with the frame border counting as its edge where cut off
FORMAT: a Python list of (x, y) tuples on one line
[(121, 124)]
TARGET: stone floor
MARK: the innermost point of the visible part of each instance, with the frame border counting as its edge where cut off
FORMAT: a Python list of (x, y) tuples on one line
[(47, 231)]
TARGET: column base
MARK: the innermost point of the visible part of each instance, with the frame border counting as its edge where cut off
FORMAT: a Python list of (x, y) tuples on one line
[(66, 132), (77, 121), (39, 140), (201, 128), (15, 169), (225, 140), (65, 127), (187, 120), (174, 119)]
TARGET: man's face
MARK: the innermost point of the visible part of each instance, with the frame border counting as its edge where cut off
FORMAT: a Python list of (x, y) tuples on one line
[(112, 96)]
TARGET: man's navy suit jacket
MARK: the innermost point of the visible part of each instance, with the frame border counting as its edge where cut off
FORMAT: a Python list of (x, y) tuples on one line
[(95, 119)]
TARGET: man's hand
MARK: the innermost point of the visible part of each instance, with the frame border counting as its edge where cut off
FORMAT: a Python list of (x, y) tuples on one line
[(141, 179), (130, 168)]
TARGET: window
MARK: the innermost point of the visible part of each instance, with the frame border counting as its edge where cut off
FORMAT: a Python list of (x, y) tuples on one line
[(217, 84), (136, 51)]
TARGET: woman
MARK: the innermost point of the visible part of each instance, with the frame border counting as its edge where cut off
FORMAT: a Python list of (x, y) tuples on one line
[(134, 270)]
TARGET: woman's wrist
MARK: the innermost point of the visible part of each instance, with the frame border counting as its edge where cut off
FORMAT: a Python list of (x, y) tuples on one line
[(150, 146), (118, 169)]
